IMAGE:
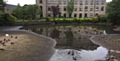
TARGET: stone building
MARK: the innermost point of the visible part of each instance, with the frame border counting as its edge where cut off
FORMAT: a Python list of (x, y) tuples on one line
[(9, 8), (82, 8)]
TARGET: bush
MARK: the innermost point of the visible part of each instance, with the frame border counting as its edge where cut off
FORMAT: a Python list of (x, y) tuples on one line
[(7, 19), (102, 19), (95, 19)]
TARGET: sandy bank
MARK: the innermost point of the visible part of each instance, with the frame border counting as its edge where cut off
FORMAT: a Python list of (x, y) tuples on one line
[(111, 42), (117, 28), (27, 46)]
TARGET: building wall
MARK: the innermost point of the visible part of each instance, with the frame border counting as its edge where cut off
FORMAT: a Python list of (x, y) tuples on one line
[(77, 4), (9, 8)]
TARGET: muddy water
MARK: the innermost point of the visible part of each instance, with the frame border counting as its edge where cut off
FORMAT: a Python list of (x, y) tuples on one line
[(75, 39)]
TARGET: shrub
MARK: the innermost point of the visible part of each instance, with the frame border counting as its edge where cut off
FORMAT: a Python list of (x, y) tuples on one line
[(7, 19), (95, 19), (102, 18), (1, 20)]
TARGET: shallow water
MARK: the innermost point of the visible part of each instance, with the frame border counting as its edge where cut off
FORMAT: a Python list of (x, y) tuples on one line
[(75, 38)]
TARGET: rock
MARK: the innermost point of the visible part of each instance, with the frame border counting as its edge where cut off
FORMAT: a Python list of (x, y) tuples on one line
[(12, 43), (2, 49)]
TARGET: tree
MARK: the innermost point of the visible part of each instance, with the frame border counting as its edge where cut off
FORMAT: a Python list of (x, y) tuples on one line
[(114, 12), (18, 5), (2, 5), (27, 12), (33, 11), (55, 11), (70, 7)]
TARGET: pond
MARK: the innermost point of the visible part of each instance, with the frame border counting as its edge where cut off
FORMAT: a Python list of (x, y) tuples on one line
[(73, 41)]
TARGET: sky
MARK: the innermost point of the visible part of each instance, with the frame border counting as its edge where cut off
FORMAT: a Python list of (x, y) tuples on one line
[(22, 2)]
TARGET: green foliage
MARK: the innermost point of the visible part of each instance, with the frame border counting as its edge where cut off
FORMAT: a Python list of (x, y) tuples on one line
[(76, 20), (103, 18), (29, 12), (70, 7), (114, 12), (2, 5), (7, 19)]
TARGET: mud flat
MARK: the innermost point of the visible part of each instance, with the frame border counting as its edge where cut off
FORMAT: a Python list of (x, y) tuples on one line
[(111, 42), (21, 45)]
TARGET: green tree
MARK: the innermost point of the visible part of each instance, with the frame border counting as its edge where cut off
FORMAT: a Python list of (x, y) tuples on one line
[(27, 12), (114, 12), (33, 11), (70, 7), (17, 12), (2, 5)]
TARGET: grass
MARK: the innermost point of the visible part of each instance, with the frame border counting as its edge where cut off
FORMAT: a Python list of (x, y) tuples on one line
[(63, 20), (21, 20)]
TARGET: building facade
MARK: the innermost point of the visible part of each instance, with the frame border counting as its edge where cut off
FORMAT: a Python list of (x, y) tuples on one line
[(9, 8), (82, 8)]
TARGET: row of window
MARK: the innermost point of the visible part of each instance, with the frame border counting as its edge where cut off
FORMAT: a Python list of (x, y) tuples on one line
[(77, 1), (75, 15), (81, 8)]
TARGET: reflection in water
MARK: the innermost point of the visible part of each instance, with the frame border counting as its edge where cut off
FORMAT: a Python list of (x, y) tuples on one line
[(54, 33), (69, 37), (82, 55), (74, 38)]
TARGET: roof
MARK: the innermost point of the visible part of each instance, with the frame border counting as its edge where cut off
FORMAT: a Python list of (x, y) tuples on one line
[(11, 6)]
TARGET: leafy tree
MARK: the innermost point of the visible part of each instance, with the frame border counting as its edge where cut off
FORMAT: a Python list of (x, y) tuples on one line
[(7, 19), (114, 12), (55, 11), (33, 11), (17, 12), (2, 5), (18, 5), (27, 12), (70, 7)]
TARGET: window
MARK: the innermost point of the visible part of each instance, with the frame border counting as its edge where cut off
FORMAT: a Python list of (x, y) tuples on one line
[(86, 2), (91, 8), (75, 8), (97, 2), (75, 1), (102, 9), (49, 14), (86, 8), (91, 2), (96, 14), (60, 8), (80, 8), (97, 8), (64, 8), (65, 15), (59, 2), (85, 14), (41, 7), (103, 1), (7, 9), (54, 1), (40, 1), (48, 1), (81, 2), (75, 15), (80, 15), (49, 8), (65, 1), (91, 14)]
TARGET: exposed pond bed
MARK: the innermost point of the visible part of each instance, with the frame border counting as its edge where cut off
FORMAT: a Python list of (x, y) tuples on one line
[(73, 41)]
